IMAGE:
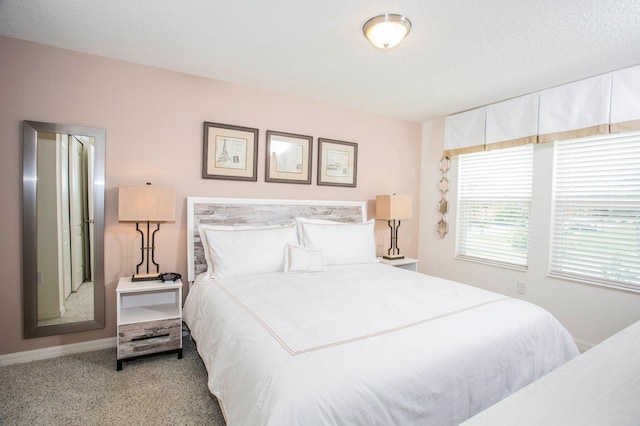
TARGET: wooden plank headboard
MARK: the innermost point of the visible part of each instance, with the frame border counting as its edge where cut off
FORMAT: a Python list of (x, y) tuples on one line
[(246, 211)]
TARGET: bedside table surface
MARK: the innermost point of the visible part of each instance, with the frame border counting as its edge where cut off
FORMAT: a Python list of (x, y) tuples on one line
[(398, 262), (126, 286)]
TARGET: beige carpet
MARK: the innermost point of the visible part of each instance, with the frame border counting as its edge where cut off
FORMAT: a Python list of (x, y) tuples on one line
[(86, 389), (79, 307)]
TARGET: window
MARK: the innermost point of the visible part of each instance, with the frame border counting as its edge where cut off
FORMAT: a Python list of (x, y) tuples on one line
[(494, 201), (596, 216)]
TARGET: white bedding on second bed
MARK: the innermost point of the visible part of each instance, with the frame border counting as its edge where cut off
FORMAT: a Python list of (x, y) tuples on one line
[(366, 344), (600, 387)]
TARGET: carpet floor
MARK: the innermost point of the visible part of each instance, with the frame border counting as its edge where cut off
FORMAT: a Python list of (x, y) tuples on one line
[(79, 307), (86, 389)]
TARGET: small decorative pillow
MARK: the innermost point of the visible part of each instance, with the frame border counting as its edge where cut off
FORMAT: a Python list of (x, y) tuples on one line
[(233, 251), (302, 259), (342, 243)]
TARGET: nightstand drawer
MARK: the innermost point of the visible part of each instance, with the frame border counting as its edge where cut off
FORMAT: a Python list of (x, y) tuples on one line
[(148, 337)]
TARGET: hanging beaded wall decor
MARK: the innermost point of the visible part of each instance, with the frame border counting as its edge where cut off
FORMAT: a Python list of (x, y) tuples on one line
[(443, 205)]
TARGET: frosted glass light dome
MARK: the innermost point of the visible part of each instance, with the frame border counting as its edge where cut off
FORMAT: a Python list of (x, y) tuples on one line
[(386, 31)]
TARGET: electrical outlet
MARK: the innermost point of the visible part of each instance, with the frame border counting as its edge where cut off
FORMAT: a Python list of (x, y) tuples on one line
[(522, 287)]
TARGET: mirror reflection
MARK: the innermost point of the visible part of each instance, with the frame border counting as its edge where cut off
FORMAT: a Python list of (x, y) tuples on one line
[(63, 228)]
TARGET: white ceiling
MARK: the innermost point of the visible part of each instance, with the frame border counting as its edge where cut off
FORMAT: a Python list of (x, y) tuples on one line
[(460, 54)]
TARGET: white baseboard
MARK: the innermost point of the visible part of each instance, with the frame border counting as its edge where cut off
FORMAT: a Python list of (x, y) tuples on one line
[(56, 351), (582, 345)]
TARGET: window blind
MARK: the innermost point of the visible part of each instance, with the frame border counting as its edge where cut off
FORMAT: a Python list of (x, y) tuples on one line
[(494, 201), (596, 216)]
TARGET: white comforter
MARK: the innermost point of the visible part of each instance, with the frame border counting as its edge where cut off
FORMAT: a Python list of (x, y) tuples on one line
[(600, 387), (366, 344)]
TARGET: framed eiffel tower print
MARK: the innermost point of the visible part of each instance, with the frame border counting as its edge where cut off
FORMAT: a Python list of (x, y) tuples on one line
[(229, 152)]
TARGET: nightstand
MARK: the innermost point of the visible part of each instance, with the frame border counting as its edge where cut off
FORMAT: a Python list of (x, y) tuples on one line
[(406, 263), (149, 318)]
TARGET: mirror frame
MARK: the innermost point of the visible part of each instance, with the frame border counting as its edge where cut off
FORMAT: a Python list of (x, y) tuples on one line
[(30, 131)]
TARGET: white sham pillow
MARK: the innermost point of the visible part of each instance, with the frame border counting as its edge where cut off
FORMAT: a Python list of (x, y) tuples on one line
[(342, 243), (302, 259), (233, 251), (302, 220)]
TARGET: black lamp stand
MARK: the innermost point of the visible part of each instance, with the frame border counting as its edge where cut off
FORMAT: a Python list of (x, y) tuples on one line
[(394, 252), (147, 250)]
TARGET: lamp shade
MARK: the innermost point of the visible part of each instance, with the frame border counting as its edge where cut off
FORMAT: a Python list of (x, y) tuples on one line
[(142, 203), (394, 207)]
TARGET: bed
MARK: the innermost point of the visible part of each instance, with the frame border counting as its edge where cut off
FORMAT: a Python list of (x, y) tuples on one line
[(600, 387), (297, 323)]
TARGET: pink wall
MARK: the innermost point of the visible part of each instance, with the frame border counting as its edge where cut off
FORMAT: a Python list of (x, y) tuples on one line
[(153, 119)]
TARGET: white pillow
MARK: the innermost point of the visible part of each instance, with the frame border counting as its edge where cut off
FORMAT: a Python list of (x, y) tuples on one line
[(302, 259), (342, 243), (233, 251), (203, 238), (205, 245), (302, 220)]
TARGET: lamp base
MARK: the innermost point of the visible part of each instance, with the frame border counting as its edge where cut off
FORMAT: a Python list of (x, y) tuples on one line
[(145, 277), (393, 257)]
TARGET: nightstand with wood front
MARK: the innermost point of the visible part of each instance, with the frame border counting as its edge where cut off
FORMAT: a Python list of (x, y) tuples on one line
[(149, 318)]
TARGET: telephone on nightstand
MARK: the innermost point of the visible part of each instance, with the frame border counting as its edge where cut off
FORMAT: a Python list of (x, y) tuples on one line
[(169, 277)]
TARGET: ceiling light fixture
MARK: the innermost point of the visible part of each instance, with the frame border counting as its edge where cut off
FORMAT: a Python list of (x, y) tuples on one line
[(386, 31)]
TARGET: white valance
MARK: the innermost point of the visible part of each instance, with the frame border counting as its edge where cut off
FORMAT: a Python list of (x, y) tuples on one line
[(625, 100), (464, 132), (575, 110), (597, 105), (512, 122)]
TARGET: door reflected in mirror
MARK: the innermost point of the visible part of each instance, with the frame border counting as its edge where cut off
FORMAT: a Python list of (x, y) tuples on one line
[(63, 228)]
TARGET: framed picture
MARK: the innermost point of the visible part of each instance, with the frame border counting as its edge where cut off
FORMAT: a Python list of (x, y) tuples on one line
[(337, 163), (229, 152), (288, 158)]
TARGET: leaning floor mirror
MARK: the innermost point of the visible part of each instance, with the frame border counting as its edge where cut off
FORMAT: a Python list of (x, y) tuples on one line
[(63, 228)]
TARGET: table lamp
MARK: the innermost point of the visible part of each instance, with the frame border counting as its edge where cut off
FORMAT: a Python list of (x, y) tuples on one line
[(146, 203), (394, 208)]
